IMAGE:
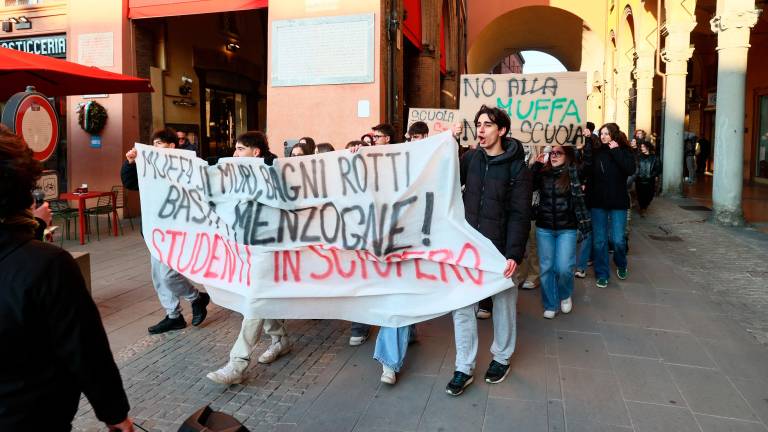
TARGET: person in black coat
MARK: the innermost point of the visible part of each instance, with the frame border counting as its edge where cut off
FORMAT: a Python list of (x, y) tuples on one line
[(497, 202), (170, 285), (648, 170), (612, 163), (56, 344)]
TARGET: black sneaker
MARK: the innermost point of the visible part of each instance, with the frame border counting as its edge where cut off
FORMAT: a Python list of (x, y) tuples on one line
[(199, 311), (459, 382), (168, 324), (496, 372)]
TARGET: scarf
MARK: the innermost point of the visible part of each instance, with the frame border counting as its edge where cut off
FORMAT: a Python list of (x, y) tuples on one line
[(24, 221)]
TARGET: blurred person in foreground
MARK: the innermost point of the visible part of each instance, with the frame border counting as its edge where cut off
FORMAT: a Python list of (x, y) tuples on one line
[(57, 346)]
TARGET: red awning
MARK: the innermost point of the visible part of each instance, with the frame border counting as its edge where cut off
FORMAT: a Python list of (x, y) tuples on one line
[(54, 77), (164, 8), (412, 23)]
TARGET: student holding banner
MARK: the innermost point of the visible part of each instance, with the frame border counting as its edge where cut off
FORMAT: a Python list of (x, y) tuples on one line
[(497, 201), (253, 144), (169, 284)]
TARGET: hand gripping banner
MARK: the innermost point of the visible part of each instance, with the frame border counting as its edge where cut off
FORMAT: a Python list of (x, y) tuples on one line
[(377, 236)]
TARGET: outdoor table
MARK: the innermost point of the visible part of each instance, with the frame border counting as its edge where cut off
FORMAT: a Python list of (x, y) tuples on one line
[(81, 198)]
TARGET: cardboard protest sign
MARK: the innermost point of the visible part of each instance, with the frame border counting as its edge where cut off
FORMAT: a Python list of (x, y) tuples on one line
[(376, 236), (545, 109), (438, 120)]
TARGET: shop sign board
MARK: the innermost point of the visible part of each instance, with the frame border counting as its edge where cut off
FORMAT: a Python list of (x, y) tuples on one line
[(51, 45)]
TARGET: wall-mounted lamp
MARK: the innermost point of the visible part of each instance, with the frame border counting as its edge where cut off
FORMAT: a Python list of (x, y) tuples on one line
[(233, 46), (21, 23)]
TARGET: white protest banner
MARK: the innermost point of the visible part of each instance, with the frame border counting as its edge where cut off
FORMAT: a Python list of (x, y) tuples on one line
[(376, 236), (545, 109), (438, 120)]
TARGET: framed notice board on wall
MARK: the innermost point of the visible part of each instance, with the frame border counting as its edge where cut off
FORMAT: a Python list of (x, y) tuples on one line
[(325, 50)]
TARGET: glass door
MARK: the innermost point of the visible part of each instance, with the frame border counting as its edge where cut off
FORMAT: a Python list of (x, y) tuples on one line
[(225, 118), (762, 139)]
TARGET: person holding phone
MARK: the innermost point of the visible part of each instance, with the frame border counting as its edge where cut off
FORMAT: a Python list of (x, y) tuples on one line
[(612, 163), (561, 215)]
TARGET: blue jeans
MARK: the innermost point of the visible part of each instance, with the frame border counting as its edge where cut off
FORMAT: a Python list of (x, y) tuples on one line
[(584, 252), (557, 256), (392, 344), (608, 223)]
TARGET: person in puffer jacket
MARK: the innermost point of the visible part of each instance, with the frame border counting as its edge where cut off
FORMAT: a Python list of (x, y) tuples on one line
[(556, 227), (649, 169)]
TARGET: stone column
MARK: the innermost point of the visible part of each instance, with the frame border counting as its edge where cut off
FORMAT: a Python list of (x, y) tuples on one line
[(732, 24), (623, 86), (676, 55), (644, 73)]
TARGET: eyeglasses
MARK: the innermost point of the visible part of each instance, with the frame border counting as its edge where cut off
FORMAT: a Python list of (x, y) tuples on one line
[(557, 153), (379, 136)]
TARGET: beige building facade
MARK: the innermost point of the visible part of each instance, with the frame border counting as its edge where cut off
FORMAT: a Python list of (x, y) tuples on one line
[(669, 68)]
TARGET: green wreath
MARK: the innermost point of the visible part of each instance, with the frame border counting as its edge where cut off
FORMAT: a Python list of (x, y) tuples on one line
[(92, 117)]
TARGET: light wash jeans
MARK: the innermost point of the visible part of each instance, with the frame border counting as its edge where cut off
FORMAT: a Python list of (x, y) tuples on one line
[(392, 344), (608, 223), (504, 331), (170, 286), (557, 256), (250, 333)]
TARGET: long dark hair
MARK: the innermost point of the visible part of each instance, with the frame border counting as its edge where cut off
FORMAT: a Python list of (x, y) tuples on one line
[(616, 134), (563, 182), (309, 147)]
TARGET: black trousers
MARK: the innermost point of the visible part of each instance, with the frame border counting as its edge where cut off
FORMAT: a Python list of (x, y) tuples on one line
[(645, 190)]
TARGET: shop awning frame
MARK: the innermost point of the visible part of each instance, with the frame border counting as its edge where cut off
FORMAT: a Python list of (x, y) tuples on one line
[(139, 9)]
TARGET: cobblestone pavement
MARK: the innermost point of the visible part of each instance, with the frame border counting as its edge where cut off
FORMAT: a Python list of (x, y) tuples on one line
[(679, 346), (164, 376)]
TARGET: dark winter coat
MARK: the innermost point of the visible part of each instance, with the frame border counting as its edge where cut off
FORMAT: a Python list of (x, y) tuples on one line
[(555, 211), (607, 174), (494, 204), (648, 168), (56, 347), (129, 175)]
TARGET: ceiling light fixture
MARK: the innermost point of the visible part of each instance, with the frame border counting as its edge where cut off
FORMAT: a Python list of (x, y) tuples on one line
[(233, 46)]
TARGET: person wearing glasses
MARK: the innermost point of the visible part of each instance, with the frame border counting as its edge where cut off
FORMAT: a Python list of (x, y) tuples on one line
[(383, 134), (183, 142), (561, 216)]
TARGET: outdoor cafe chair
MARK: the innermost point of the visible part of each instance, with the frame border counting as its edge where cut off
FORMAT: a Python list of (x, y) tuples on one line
[(103, 208), (119, 192), (60, 209)]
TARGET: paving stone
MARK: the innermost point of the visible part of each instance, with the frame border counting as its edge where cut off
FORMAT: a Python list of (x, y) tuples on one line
[(646, 380), (593, 396), (658, 418), (627, 340), (681, 348), (582, 350), (709, 392), (529, 416), (719, 424)]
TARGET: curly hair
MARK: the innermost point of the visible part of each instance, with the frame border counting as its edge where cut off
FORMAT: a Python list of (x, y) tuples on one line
[(19, 173)]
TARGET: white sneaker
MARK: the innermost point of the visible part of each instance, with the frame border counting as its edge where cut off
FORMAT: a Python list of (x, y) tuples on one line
[(549, 314), (357, 340), (274, 352), (230, 374), (581, 274), (529, 285), (483, 314), (566, 306), (388, 375)]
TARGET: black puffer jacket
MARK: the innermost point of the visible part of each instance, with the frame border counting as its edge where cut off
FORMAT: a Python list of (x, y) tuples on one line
[(607, 175), (648, 168), (494, 204), (555, 207)]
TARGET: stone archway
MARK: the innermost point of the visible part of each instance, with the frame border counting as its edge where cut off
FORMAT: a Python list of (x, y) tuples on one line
[(576, 44)]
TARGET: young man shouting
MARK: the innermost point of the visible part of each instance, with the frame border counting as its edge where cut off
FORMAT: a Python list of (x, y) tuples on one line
[(497, 202)]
